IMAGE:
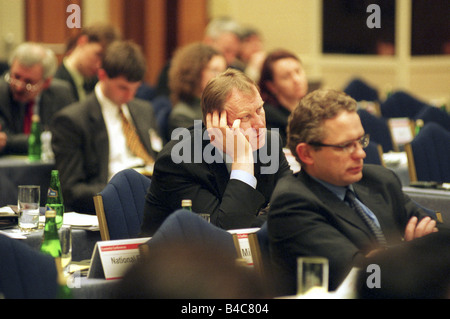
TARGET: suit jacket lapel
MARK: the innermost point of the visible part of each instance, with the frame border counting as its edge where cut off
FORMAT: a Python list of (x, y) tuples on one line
[(335, 205), (373, 202)]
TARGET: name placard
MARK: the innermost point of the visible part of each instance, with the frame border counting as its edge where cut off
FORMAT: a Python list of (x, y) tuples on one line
[(242, 239), (111, 258)]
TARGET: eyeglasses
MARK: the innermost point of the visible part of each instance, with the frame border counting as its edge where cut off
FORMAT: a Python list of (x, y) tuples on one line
[(28, 86), (349, 147)]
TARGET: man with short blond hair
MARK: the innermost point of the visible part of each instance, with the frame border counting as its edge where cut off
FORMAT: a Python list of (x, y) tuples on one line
[(228, 166)]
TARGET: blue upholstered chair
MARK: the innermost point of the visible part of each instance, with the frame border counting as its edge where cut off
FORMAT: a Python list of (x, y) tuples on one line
[(25, 273), (378, 129), (436, 115), (120, 205), (183, 226), (429, 155), (145, 92), (402, 104), (374, 154), (361, 91)]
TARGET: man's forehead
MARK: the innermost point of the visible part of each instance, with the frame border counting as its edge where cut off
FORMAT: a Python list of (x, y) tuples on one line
[(237, 95), (35, 71)]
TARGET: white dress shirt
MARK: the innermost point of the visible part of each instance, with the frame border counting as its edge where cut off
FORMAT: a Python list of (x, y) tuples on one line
[(120, 157)]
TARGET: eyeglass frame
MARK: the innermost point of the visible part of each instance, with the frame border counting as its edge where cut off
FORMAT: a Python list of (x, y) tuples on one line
[(349, 147), (28, 86)]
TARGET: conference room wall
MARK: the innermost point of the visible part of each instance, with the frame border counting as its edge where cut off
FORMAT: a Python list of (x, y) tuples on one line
[(296, 25)]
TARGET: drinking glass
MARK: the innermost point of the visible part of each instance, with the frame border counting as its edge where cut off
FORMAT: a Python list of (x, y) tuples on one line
[(206, 217), (311, 272), (65, 237), (28, 201)]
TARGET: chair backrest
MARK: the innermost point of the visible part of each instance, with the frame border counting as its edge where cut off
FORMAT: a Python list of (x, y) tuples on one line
[(378, 129), (429, 155), (361, 91), (374, 154), (401, 104), (436, 115), (188, 228), (25, 273), (120, 205)]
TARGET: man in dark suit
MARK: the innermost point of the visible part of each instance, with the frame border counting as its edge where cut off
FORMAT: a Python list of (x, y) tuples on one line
[(29, 88), (227, 169), (83, 59), (89, 142), (309, 215)]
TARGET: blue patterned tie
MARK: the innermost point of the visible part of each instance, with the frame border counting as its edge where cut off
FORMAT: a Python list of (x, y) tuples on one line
[(350, 198)]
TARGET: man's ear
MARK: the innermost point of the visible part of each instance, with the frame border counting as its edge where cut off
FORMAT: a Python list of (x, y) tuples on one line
[(101, 74), (304, 153), (82, 40), (47, 83)]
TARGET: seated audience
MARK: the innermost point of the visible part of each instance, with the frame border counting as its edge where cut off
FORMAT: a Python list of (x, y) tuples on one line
[(90, 137), (228, 168), (223, 34), (312, 213), (251, 55), (191, 69), (283, 84), (29, 88), (83, 58)]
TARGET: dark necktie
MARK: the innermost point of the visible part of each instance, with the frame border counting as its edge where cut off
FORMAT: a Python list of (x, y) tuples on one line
[(133, 141), (350, 198)]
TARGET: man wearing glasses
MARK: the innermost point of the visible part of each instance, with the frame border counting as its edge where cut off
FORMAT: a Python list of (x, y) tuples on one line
[(314, 213), (27, 89)]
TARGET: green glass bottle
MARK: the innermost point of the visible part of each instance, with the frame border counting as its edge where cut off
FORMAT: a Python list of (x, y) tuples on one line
[(186, 204), (418, 127), (54, 197), (51, 244), (34, 139)]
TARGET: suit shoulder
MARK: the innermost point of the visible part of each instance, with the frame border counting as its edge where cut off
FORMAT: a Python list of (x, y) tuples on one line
[(287, 184), (377, 172), (141, 103), (59, 84)]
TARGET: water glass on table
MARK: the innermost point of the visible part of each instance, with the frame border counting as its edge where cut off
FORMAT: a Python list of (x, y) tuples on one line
[(28, 201), (312, 272), (65, 237)]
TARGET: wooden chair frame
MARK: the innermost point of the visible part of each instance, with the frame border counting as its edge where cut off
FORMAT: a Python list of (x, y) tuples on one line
[(100, 212)]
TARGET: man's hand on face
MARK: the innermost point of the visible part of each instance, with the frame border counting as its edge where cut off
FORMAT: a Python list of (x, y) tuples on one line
[(230, 140)]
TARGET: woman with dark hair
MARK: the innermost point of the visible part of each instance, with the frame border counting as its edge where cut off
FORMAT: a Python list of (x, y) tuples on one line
[(283, 84), (191, 69)]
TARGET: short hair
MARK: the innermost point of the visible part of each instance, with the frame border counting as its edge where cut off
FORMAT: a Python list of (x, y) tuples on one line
[(266, 74), (102, 33), (305, 123), (221, 25), (218, 90), (30, 54), (124, 58), (185, 73)]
